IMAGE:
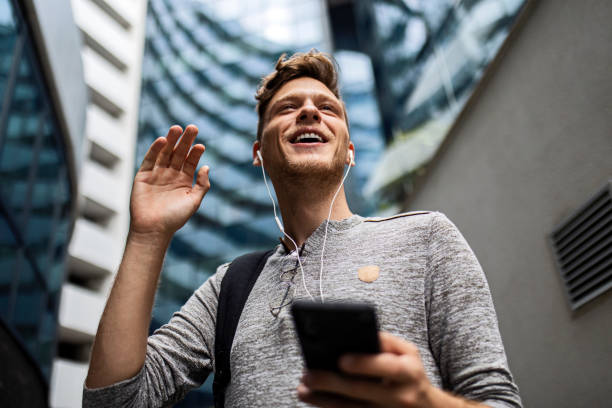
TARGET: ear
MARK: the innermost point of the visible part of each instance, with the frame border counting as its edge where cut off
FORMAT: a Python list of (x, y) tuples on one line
[(351, 148), (256, 147)]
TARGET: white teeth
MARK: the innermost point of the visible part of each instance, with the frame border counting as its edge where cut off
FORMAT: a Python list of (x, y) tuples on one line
[(308, 136)]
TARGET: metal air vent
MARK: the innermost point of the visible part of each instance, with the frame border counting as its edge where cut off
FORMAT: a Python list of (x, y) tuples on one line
[(582, 246)]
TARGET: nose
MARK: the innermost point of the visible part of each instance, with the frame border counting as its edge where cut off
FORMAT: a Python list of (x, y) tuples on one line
[(309, 113)]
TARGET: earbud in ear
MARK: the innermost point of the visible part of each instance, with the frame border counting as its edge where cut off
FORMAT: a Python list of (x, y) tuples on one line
[(351, 157), (259, 155)]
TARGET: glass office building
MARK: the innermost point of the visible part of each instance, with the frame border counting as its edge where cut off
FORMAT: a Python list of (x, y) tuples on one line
[(203, 62), (36, 202), (428, 57)]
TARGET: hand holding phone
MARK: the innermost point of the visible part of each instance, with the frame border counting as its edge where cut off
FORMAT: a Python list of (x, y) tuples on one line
[(329, 330)]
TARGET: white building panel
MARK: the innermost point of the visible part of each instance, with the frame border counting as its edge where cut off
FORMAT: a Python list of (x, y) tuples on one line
[(67, 384), (105, 79), (93, 249), (79, 312), (127, 12), (99, 185), (104, 30), (104, 130)]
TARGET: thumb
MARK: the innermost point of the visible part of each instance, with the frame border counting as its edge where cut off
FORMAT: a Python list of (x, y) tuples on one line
[(202, 185)]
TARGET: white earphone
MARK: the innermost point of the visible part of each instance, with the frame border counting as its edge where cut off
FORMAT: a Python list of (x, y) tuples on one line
[(282, 229)]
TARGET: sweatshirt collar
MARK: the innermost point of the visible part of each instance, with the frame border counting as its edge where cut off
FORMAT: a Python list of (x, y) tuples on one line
[(315, 240)]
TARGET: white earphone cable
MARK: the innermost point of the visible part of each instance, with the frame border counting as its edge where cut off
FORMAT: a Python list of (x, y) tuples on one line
[(282, 229), (327, 225)]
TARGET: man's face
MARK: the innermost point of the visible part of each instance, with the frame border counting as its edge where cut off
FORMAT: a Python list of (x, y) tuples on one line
[(305, 132)]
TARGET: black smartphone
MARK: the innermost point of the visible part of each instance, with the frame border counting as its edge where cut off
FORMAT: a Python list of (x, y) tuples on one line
[(328, 330)]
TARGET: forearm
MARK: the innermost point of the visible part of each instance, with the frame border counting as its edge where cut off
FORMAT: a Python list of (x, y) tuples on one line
[(120, 345)]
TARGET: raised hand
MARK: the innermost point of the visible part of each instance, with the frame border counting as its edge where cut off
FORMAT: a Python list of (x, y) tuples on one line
[(163, 195)]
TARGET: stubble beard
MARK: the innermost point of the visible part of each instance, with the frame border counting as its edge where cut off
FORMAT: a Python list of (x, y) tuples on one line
[(316, 178)]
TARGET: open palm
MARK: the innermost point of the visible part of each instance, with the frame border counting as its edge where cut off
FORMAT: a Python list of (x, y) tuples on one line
[(163, 195)]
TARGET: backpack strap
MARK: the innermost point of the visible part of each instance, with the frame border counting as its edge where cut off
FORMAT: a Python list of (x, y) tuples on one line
[(235, 288)]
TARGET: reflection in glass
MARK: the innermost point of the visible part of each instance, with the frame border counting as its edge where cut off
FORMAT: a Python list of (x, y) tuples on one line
[(8, 255), (60, 233), (29, 306), (20, 137), (46, 337), (35, 195), (43, 208), (428, 57), (8, 36)]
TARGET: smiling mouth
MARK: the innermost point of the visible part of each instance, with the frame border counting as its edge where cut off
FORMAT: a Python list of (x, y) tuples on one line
[(308, 138)]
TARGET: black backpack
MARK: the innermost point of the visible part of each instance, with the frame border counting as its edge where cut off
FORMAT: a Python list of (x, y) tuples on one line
[(236, 285)]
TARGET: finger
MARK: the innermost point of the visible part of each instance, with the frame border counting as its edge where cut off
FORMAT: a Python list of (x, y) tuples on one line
[(326, 400), (350, 387), (202, 184), (182, 148), (151, 156), (163, 160), (393, 344), (191, 162), (399, 360), (399, 369)]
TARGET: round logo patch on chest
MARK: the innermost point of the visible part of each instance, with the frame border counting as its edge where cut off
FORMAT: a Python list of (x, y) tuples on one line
[(368, 273)]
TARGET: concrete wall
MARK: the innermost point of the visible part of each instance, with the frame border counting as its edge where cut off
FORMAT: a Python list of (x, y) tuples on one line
[(534, 145)]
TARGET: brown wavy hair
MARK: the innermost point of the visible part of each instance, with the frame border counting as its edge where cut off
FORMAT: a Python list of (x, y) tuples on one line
[(313, 64)]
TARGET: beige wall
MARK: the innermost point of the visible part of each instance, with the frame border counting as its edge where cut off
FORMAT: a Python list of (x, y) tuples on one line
[(534, 145)]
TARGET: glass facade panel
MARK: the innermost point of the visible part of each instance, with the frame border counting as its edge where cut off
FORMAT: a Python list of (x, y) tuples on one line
[(8, 259), (35, 194), (31, 296), (428, 56), (49, 203), (8, 37), (20, 136)]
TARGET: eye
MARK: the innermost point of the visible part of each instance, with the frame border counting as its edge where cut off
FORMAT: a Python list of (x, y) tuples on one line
[(286, 106), (327, 107)]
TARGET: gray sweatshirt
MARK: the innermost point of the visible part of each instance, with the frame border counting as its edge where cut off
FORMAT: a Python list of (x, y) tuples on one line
[(430, 291)]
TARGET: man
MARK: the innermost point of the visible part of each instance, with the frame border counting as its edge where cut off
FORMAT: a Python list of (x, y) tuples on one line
[(439, 327)]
